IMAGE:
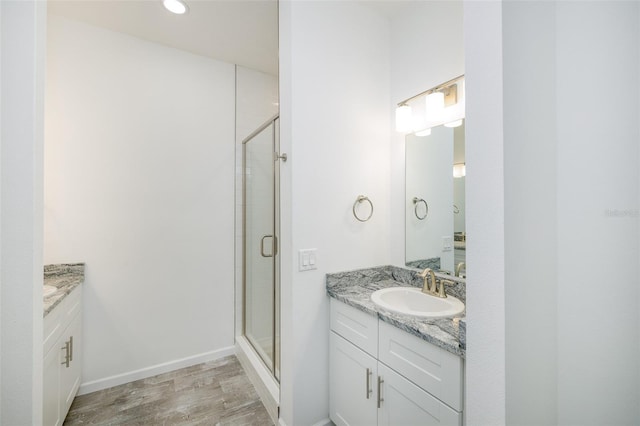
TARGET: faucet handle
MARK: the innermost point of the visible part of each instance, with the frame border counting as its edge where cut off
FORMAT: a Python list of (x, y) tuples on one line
[(441, 292)]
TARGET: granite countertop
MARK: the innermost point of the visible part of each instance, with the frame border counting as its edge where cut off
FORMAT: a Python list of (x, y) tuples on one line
[(65, 277), (355, 288)]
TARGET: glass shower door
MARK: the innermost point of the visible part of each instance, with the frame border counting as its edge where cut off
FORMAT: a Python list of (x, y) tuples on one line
[(261, 260)]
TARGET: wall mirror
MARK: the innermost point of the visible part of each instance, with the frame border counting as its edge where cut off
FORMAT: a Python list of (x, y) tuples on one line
[(435, 234)]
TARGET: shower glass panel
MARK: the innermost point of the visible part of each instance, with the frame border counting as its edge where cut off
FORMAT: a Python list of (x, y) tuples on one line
[(261, 257)]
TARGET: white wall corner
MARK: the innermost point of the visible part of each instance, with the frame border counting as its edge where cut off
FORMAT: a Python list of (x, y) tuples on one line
[(285, 83), (22, 38), (485, 363)]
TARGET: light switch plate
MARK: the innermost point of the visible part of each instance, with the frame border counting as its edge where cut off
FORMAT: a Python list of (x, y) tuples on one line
[(307, 259), (447, 243)]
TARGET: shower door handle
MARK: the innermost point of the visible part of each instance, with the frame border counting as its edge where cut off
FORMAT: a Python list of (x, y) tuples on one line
[(274, 246)]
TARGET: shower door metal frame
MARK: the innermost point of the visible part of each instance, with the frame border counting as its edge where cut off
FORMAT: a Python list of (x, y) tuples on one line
[(273, 121)]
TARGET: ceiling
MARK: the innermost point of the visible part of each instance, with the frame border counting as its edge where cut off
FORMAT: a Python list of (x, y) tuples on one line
[(243, 32)]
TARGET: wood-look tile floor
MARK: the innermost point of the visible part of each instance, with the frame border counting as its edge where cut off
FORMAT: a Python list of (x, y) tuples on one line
[(213, 393)]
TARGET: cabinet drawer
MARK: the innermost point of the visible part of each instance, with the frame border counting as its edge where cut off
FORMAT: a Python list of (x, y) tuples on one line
[(433, 369), (359, 328), (404, 403)]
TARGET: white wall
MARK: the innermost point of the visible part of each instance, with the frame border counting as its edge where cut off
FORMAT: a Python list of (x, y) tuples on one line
[(335, 126), (256, 101), (531, 172), (139, 185), (485, 361), (598, 280), (22, 50), (426, 49), (570, 182)]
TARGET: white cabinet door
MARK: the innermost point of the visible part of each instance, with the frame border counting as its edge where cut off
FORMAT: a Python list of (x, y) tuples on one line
[(352, 390), (405, 404), (51, 388), (70, 375)]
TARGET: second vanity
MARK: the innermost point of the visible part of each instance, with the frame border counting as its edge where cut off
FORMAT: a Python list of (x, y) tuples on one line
[(388, 368)]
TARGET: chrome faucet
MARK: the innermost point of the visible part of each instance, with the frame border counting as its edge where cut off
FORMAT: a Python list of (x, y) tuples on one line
[(430, 285), (460, 267)]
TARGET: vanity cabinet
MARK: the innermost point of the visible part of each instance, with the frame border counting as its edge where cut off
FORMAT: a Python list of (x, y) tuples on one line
[(62, 367), (401, 380)]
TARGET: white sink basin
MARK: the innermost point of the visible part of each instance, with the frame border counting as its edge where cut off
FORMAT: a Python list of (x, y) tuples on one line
[(49, 290), (412, 301)]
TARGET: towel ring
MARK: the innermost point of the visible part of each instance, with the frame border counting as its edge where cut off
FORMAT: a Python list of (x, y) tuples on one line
[(359, 200), (417, 201)]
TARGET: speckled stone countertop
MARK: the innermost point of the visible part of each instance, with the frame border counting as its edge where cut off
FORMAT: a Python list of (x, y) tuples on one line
[(433, 263), (355, 288), (65, 277)]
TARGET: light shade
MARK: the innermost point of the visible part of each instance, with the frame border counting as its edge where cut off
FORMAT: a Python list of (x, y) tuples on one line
[(435, 107), (175, 6), (459, 170), (403, 119), (423, 132)]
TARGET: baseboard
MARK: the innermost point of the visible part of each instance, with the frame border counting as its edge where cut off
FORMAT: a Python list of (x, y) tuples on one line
[(323, 422), (143, 373), (261, 378)]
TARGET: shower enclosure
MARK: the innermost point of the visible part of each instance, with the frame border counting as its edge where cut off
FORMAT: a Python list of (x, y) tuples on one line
[(261, 226)]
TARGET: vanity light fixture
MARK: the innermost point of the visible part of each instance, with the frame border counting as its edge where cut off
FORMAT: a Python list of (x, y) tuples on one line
[(403, 119), (444, 104), (423, 132), (435, 106), (178, 7), (459, 170)]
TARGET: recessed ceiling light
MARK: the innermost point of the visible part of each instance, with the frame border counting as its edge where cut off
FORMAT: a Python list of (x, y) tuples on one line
[(175, 6)]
